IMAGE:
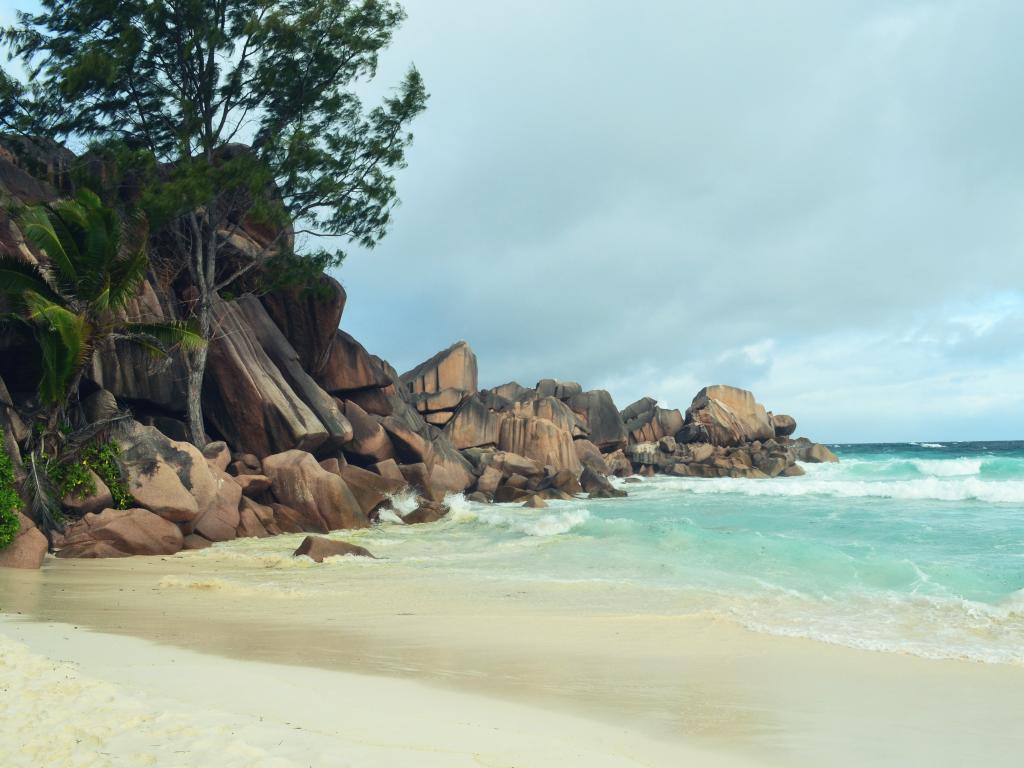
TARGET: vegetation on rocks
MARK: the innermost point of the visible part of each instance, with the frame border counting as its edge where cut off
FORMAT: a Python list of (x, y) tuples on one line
[(73, 300), (171, 89), (10, 501)]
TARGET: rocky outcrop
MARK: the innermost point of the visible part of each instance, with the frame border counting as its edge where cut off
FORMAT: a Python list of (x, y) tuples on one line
[(308, 317), (130, 373), (600, 419), (646, 422), (349, 367), (119, 533), (369, 443), (247, 398), (783, 425), (473, 425), (452, 368), (563, 390), (284, 356), (729, 416), (169, 478), (317, 548), (539, 439), (27, 550), (299, 482)]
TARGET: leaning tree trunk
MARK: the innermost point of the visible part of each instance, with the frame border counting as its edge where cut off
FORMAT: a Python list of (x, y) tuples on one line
[(196, 371)]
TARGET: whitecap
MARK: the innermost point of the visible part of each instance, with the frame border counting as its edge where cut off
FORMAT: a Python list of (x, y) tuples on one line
[(948, 467)]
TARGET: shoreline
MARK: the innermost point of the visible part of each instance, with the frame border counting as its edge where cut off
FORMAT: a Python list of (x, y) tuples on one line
[(691, 682)]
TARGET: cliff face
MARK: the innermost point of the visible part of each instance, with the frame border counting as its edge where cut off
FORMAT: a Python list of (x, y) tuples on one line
[(312, 432)]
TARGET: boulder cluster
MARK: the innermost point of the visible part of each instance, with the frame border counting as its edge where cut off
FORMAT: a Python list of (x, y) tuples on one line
[(312, 433)]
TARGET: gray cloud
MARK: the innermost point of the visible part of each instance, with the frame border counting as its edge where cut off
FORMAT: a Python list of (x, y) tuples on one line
[(639, 197)]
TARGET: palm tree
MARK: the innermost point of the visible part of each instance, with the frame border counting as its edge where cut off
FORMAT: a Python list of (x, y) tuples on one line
[(76, 301)]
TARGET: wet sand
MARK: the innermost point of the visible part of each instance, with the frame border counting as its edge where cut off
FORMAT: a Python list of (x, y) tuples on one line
[(400, 655)]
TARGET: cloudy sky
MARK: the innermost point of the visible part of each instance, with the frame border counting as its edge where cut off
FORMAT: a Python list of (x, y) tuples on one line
[(821, 202)]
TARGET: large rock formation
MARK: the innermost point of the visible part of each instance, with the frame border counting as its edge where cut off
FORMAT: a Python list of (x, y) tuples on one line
[(729, 416), (299, 482), (337, 429), (646, 422), (308, 317), (600, 419), (349, 367), (28, 550), (246, 397), (119, 533), (452, 368), (285, 357), (539, 439)]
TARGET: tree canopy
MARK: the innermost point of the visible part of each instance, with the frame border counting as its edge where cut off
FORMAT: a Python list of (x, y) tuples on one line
[(171, 89), (184, 78)]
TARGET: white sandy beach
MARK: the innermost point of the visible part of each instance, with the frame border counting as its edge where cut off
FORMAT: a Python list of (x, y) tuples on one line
[(179, 661)]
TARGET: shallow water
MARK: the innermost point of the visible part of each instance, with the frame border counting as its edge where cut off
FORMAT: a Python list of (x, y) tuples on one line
[(915, 548)]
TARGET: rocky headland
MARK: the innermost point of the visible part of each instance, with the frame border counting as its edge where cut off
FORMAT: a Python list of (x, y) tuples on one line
[(310, 432)]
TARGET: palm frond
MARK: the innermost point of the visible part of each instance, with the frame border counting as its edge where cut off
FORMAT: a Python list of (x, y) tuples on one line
[(65, 339), (164, 335), (127, 276), (17, 276), (37, 226), (43, 502)]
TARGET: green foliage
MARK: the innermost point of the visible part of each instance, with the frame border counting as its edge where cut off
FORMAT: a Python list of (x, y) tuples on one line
[(10, 501), (78, 300), (72, 478), (290, 271), (171, 89), (102, 458)]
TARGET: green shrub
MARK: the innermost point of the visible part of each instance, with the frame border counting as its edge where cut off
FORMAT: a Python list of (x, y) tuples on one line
[(101, 458), (73, 478), (10, 501)]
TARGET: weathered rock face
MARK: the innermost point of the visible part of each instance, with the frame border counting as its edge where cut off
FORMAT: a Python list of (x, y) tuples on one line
[(350, 367), (814, 453), (371, 490), (119, 533), (284, 356), (298, 481), (473, 424), (27, 550), (426, 512), (511, 391), (729, 416), (220, 520), (784, 425), (169, 478), (317, 548), (546, 407), (562, 390), (598, 486), (415, 442), (646, 422), (452, 368), (447, 399), (539, 439), (590, 456), (308, 318), (601, 420), (247, 398), (129, 372), (369, 442)]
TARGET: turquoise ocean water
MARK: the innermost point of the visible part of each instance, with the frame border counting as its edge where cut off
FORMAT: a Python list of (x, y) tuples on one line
[(914, 548)]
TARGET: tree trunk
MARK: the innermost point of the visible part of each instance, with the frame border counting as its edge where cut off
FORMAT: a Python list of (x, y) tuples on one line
[(196, 371)]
